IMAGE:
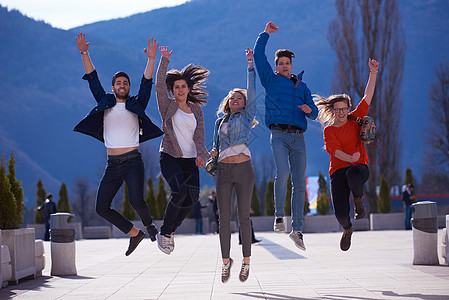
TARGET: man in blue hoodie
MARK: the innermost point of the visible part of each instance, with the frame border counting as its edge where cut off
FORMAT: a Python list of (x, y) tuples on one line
[(288, 102)]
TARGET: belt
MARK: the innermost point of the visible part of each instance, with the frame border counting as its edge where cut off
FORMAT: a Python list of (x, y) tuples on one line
[(122, 159), (287, 128)]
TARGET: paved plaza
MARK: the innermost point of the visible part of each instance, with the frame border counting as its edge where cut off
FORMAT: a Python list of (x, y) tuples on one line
[(378, 266)]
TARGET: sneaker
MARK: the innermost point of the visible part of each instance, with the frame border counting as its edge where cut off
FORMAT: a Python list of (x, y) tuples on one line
[(244, 272), (226, 271), (279, 226), (359, 208), (163, 242), (134, 242), (172, 242), (296, 237), (152, 231), (345, 241)]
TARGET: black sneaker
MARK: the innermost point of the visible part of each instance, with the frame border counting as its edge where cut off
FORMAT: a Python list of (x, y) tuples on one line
[(134, 242), (152, 231)]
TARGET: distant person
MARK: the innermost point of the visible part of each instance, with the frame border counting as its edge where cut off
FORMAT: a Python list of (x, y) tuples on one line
[(180, 96), (236, 118), (120, 122), (253, 237), (49, 208), (288, 102), (348, 168), (213, 199), (408, 198), (198, 216)]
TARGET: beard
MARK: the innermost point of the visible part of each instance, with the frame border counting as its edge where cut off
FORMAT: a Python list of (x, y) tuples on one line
[(121, 95)]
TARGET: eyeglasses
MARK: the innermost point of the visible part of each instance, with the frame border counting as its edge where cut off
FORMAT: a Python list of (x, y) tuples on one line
[(343, 110)]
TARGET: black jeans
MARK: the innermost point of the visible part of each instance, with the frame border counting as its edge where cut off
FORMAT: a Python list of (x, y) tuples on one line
[(343, 182), (183, 178), (127, 167)]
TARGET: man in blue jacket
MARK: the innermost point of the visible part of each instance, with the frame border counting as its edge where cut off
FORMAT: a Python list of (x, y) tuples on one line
[(120, 122), (288, 102)]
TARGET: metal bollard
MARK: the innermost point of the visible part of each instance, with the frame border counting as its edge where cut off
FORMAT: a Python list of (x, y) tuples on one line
[(62, 245), (425, 233)]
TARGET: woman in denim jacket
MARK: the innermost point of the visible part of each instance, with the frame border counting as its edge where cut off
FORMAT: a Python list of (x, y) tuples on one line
[(183, 148), (235, 170)]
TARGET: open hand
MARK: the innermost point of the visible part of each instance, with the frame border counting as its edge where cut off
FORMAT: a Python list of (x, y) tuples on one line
[(81, 42), (165, 52), (271, 27), (151, 51), (200, 162), (213, 152), (373, 65)]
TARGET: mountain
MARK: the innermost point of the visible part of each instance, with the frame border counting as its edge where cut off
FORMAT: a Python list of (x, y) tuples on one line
[(43, 96)]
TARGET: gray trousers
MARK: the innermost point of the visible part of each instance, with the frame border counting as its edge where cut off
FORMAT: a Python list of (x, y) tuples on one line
[(241, 178)]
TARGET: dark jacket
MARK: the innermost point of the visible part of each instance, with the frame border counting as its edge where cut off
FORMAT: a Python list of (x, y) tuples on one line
[(92, 124), (49, 208)]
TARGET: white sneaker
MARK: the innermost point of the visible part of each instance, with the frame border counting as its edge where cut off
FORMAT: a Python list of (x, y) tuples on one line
[(296, 237), (279, 226), (244, 272), (163, 242), (171, 245)]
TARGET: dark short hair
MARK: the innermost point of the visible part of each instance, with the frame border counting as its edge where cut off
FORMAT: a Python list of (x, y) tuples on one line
[(283, 53), (120, 74), (410, 186), (49, 195)]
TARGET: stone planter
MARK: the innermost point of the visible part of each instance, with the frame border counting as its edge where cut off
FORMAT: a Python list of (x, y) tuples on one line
[(388, 221), (21, 249), (5, 266), (321, 223)]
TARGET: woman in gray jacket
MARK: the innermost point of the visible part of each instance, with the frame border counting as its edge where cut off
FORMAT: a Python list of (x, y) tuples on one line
[(180, 95), (235, 171)]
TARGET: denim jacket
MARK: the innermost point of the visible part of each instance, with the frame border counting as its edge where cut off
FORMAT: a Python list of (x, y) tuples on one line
[(282, 95), (240, 122), (92, 124)]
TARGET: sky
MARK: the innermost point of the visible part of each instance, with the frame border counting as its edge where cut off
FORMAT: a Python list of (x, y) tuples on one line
[(66, 14)]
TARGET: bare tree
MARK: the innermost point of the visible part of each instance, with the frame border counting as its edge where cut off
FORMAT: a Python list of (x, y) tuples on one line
[(380, 36), (436, 161), (84, 204)]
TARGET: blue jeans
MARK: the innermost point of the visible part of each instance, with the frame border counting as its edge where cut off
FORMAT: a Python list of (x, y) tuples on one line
[(408, 216), (120, 169), (199, 226), (289, 152)]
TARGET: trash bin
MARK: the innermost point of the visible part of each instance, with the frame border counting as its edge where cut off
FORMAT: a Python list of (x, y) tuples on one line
[(62, 242), (425, 233)]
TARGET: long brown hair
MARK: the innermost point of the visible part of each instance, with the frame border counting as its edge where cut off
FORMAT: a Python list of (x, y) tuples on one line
[(325, 106), (195, 77)]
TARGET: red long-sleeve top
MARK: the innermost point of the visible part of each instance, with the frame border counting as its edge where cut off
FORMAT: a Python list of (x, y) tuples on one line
[(346, 138)]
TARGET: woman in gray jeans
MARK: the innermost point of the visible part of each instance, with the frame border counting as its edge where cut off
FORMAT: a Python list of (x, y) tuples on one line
[(235, 171)]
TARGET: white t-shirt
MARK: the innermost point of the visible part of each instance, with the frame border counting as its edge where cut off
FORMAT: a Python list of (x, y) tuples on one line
[(121, 127), (184, 126), (234, 149)]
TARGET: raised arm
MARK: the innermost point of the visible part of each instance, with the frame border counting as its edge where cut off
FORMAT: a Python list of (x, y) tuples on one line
[(262, 65), (84, 47), (250, 109), (151, 52), (371, 85), (161, 87)]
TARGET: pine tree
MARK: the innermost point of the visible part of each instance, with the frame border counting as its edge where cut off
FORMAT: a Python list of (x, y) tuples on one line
[(151, 200), (41, 194), (255, 205), (127, 210), (161, 197), (306, 204), (63, 201), (288, 197), (16, 188), (383, 202), (8, 218), (269, 199), (323, 205)]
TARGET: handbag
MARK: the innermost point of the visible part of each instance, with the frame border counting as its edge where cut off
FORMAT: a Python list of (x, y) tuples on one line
[(367, 131), (212, 163)]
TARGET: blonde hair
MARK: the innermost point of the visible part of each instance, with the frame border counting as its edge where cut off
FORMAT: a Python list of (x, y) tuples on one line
[(325, 106), (224, 105)]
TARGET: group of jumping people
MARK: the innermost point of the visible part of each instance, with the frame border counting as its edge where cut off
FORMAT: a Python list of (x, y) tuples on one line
[(120, 122)]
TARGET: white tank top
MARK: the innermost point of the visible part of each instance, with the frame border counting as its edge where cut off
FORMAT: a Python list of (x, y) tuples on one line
[(234, 149), (121, 127), (184, 126)]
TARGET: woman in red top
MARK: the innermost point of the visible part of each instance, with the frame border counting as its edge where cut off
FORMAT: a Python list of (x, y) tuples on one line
[(348, 168)]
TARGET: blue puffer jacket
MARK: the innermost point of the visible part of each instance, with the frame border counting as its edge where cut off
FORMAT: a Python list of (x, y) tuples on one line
[(282, 95), (240, 122)]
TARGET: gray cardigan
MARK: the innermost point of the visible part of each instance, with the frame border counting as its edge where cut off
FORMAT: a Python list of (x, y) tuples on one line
[(167, 109)]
